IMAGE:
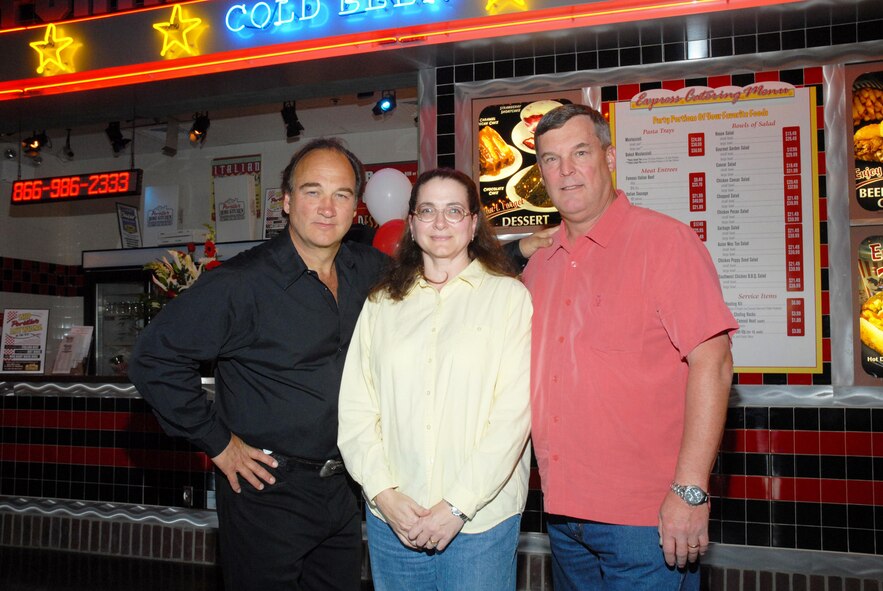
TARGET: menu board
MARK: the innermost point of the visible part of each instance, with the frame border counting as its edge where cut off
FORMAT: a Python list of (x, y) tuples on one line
[(510, 184), (739, 166)]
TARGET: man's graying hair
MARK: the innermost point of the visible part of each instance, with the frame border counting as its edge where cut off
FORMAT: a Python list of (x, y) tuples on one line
[(557, 117)]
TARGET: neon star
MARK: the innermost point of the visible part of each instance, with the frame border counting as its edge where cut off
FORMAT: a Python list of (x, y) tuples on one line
[(493, 6), (175, 32), (50, 49)]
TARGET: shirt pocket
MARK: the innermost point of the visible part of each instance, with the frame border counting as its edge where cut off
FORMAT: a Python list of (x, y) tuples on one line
[(616, 323)]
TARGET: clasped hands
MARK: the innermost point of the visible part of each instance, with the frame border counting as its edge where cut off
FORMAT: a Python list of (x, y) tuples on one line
[(416, 526)]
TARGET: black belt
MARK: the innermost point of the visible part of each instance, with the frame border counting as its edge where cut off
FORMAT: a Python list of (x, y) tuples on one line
[(325, 468)]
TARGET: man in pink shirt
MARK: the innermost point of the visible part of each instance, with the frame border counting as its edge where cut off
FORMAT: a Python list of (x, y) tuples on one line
[(631, 372)]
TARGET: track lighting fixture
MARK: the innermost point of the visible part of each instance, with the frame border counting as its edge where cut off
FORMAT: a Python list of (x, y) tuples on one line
[(117, 141), (199, 129), (31, 146), (386, 104), (10, 154), (293, 126)]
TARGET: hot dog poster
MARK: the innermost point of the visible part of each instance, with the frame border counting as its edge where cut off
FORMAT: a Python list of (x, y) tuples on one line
[(739, 165), (510, 185)]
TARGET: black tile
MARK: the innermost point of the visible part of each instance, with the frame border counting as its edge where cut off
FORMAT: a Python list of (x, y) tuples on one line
[(757, 511), (858, 419), (843, 34), (608, 58), (820, 140), (651, 34), (722, 47), (630, 56), (484, 71), (808, 513), (783, 536), (860, 516), (504, 69), (877, 420), (735, 415), (607, 39), (781, 417), (587, 60), (696, 82), (609, 93), (714, 530), (808, 538), (831, 419), (445, 104), (524, 67), (793, 39), (859, 468), (745, 44), (807, 466), (565, 62), (757, 417), (757, 464), (861, 541), (806, 419), (732, 509), (444, 75), (732, 463), (783, 512), (445, 124), (629, 36), (674, 52), (673, 30), (757, 534), (818, 37), (644, 86), (775, 379), (835, 539), (869, 30), (769, 42), (651, 54), (447, 160), (544, 65), (832, 467), (732, 532), (833, 515)]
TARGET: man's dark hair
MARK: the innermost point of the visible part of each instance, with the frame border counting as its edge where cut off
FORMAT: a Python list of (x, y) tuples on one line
[(333, 144)]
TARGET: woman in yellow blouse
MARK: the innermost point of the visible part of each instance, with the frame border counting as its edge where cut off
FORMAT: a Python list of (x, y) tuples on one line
[(435, 404)]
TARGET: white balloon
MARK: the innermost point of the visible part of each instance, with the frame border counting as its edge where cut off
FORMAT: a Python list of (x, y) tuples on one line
[(386, 195)]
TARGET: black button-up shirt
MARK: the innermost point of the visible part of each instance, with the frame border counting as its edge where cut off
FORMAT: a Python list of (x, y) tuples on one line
[(279, 338)]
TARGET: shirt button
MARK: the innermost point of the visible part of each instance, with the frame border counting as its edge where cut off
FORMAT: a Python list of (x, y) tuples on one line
[(554, 457), (560, 339), (573, 264), (556, 419), (433, 329), (429, 392), (568, 301), (428, 427), (554, 379)]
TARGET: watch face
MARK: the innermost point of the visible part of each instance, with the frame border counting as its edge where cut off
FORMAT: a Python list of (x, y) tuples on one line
[(694, 495)]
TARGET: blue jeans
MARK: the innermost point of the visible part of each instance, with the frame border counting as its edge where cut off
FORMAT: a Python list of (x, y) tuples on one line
[(588, 555), (471, 562)]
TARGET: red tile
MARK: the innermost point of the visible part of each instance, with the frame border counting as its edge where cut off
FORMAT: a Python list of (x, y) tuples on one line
[(766, 76), (859, 443), (877, 439), (826, 302), (860, 492), (832, 443), (826, 342), (812, 75), (757, 441), (820, 117), (807, 490), (673, 84), (734, 486), (806, 442), (823, 209), (106, 420), (733, 440), (878, 493), (718, 81), (781, 489), (833, 491), (625, 92), (782, 442), (799, 379), (757, 487), (823, 255), (822, 165), (754, 379)]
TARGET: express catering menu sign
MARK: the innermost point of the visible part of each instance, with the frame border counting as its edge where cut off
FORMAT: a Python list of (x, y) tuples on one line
[(739, 166)]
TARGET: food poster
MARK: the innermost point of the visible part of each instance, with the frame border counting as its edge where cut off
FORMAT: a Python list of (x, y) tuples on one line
[(24, 341), (867, 128), (740, 166), (510, 185)]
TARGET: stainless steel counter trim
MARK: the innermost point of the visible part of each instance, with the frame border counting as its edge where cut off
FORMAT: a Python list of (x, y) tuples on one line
[(110, 511)]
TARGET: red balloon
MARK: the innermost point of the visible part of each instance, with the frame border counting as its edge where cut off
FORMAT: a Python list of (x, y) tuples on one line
[(387, 237)]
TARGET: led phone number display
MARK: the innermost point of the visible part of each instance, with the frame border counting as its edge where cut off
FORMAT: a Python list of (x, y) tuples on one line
[(118, 183)]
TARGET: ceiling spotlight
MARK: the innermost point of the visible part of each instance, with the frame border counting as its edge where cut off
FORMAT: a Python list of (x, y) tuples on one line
[(292, 125), (66, 152), (117, 141), (10, 154), (386, 104), (199, 129), (32, 145)]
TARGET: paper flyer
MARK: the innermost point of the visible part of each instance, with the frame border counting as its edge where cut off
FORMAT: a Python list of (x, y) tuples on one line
[(24, 341)]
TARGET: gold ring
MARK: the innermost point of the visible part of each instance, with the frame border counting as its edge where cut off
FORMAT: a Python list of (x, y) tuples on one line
[(692, 547), (433, 542)]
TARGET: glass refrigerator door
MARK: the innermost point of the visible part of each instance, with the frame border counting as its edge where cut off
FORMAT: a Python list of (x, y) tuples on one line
[(119, 317)]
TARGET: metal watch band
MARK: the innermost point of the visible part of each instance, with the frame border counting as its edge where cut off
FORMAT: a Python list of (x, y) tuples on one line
[(457, 512)]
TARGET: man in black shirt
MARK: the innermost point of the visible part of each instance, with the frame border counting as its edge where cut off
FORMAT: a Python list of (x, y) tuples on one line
[(277, 320)]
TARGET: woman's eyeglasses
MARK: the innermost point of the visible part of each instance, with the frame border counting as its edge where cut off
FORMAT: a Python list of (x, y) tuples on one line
[(453, 213)]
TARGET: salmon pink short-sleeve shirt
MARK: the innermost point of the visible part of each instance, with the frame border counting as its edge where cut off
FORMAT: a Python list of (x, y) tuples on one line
[(616, 313)]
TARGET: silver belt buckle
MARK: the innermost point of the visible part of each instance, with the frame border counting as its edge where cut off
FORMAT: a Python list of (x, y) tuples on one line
[(331, 468)]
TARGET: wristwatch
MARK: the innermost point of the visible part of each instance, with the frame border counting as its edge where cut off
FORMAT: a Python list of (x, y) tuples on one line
[(692, 494), (457, 512)]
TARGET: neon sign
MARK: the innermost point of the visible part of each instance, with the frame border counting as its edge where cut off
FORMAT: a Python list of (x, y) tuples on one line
[(118, 183), (278, 13), (50, 49), (175, 33)]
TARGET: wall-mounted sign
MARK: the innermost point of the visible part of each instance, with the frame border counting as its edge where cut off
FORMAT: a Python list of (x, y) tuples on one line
[(90, 185), (867, 121)]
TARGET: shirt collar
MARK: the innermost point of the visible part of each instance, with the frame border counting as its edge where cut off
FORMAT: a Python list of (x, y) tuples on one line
[(472, 275), (293, 266), (603, 230)]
